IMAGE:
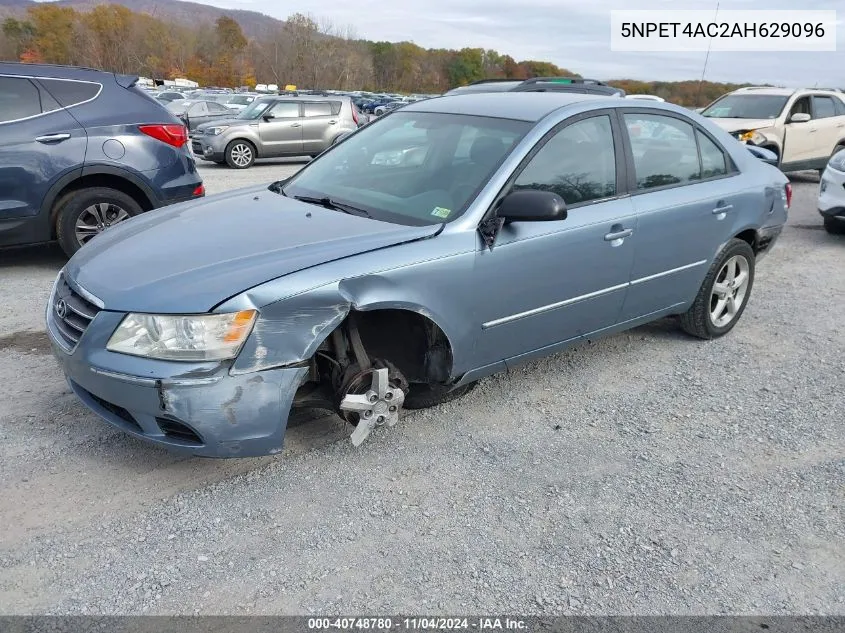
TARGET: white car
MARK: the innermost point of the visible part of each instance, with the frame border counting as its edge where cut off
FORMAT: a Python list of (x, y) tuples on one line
[(832, 194)]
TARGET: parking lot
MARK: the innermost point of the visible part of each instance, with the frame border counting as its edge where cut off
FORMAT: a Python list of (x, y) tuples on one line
[(646, 473)]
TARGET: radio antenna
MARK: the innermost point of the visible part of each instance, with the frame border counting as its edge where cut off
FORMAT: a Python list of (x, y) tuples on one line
[(706, 59)]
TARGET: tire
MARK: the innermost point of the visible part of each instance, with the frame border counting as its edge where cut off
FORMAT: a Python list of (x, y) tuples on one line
[(426, 396), (699, 320), (240, 154), (95, 207), (834, 226)]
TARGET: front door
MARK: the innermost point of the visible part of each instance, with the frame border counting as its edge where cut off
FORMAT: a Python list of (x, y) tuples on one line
[(280, 130), (544, 283), (801, 138), (39, 143), (831, 127)]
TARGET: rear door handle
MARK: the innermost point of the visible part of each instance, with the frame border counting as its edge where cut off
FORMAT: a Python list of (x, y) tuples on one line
[(295, 124), (52, 138), (722, 210), (332, 122), (618, 235)]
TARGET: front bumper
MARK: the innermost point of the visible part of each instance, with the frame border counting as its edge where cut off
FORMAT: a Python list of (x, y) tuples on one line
[(207, 147), (199, 409), (832, 193)]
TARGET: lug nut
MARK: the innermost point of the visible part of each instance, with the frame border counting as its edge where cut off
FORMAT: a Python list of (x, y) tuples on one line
[(380, 419), (388, 395), (392, 408), (374, 398), (368, 413)]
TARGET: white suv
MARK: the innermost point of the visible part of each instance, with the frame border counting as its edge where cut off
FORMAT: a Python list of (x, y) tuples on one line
[(803, 127), (832, 195)]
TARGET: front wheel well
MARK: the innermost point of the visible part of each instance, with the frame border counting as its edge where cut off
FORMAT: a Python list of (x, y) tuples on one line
[(414, 343), (98, 180)]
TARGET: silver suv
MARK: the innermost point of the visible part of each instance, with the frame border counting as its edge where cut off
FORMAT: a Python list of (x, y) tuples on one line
[(276, 126), (803, 127)]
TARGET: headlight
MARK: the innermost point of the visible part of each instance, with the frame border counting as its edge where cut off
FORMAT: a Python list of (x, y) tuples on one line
[(838, 161), (200, 337), (753, 136), (219, 129)]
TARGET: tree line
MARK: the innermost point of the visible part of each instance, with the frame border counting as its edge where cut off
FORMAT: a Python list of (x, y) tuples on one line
[(303, 50)]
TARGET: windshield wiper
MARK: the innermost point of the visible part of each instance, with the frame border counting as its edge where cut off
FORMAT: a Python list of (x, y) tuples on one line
[(328, 203)]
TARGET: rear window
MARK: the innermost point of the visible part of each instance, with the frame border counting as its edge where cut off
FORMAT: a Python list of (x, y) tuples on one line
[(70, 93)]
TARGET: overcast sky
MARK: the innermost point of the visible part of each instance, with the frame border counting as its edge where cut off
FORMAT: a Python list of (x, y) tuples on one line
[(574, 34)]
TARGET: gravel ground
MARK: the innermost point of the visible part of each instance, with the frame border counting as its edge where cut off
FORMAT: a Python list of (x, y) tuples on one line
[(646, 473)]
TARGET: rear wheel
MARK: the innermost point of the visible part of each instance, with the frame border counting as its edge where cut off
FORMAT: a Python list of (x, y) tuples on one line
[(240, 154), (86, 213), (723, 295)]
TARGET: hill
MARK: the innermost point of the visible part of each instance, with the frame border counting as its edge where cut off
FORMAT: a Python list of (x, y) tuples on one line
[(254, 24)]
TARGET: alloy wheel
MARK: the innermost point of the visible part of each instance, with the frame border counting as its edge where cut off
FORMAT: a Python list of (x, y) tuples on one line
[(241, 155), (729, 291), (97, 218)]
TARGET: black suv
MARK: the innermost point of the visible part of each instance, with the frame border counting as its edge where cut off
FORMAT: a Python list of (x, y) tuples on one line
[(83, 149), (541, 84)]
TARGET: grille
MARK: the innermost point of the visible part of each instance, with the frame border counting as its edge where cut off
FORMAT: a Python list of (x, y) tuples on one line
[(120, 412), (71, 313)]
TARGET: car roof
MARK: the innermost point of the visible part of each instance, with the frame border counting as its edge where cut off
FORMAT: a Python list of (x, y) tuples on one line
[(524, 106), (53, 70)]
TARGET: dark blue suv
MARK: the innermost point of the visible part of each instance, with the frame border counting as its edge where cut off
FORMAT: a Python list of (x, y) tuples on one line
[(81, 150)]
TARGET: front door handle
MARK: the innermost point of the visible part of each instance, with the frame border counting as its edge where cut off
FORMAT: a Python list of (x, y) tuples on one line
[(295, 124), (722, 210), (618, 235), (52, 138)]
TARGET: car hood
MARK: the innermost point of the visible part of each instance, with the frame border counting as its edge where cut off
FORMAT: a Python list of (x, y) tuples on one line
[(224, 121), (739, 125), (189, 257)]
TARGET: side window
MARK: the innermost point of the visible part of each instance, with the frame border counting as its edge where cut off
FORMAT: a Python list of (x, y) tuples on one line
[(285, 110), (801, 106), (319, 108), (823, 107), (70, 93), (840, 107), (665, 150), (216, 108), (198, 109), (713, 160), (336, 106), (19, 99), (578, 163)]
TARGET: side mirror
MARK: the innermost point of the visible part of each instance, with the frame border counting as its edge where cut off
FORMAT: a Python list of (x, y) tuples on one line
[(269, 117), (800, 117), (532, 205)]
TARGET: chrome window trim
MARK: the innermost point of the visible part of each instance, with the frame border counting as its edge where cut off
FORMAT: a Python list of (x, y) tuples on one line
[(589, 295), (35, 116)]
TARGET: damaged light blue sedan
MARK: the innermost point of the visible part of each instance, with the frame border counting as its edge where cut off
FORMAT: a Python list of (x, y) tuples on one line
[(449, 240)]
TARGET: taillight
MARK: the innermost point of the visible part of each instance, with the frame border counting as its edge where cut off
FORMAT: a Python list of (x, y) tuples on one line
[(199, 191), (172, 134), (355, 114), (788, 189)]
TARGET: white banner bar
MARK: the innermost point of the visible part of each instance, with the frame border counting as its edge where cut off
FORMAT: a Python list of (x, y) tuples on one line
[(723, 31)]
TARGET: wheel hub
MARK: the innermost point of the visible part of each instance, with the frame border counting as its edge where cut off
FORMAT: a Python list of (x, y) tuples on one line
[(371, 398)]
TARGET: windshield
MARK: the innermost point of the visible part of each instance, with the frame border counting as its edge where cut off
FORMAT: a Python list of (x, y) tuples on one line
[(412, 168), (180, 105), (241, 100), (746, 107), (255, 110)]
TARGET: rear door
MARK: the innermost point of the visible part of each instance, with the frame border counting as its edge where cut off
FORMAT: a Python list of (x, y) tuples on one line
[(686, 199), (280, 130), (831, 126), (319, 125), (39, 143)]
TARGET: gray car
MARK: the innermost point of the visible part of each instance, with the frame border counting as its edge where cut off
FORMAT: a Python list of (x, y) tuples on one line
[(271, 127), (449, 240)]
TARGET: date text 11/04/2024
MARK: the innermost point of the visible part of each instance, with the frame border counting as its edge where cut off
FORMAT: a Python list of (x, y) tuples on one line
[(418, 624)]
